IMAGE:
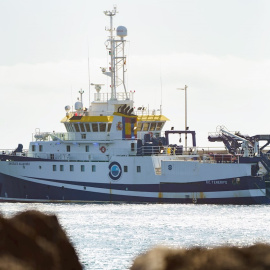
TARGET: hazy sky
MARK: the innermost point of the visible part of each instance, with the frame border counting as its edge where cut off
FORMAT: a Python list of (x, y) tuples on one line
[(220, 49)]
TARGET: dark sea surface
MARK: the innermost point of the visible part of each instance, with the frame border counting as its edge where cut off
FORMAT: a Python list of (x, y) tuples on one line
[(110, 236)]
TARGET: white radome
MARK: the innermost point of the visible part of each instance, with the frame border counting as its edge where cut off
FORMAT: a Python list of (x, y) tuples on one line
[(121, 31)]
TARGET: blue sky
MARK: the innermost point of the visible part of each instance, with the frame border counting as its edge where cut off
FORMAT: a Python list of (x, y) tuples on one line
[(220, 49)]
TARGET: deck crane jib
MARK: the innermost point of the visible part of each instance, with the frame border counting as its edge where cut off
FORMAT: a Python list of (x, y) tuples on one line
[(247, 147), (234, 142)]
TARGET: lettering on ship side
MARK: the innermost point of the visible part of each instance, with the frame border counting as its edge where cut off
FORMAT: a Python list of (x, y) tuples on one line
[(19, 163), (216, 182)]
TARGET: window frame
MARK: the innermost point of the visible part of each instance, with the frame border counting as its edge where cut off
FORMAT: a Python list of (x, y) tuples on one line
[(82, 168)]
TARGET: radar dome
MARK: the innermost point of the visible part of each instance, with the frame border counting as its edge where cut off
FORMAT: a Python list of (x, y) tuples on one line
[(67, 108), (78, 106), (121, 31)]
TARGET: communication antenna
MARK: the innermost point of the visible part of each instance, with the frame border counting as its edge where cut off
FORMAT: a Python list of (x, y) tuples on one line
[(111, 14), (81, 94), (160, 93), (116, 47), (111, 42), (89, 88)]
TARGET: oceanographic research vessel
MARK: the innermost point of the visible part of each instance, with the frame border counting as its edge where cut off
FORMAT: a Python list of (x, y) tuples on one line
[(112, 153)]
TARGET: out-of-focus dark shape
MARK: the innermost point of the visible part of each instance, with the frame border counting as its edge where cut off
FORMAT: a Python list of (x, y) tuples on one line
[(33, 240), (219, 258)]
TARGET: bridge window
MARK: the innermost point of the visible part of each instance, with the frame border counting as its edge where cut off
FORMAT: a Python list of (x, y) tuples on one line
[(95, 127), (87, 127), (68, 148), (83, 136), (145, 126), (138, 169), (82, 168), (54, 168), (139, 126), (109, 127), (77, 127), (102, 127), (61, 168), (159, 126), (93, 168), (71, 128), (71, 168), (82, 128), (40, 148), (153, 126), (87, 148), (125, 168), (33, 148)]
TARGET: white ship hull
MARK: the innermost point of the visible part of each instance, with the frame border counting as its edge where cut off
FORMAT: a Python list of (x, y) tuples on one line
[(175, 182)]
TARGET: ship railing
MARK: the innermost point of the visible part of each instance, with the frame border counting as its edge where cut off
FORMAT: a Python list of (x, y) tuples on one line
[(192, 153), (206, 158), (71, 156), (54, 156), (180, 150), (6, 151), (219, 158), (66, 136), (104, 97), (211, 150), (13, 152), (165, 150), (140, 111)]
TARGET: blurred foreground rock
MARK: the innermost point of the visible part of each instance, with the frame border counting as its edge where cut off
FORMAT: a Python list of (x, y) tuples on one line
[(32, 240), (256, 257)]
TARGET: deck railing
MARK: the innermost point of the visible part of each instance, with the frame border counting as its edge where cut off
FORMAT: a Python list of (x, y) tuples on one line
[(176, 153), (104, 97)]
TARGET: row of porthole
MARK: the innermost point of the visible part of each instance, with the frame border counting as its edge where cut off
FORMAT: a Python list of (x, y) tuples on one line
[(71, 168)]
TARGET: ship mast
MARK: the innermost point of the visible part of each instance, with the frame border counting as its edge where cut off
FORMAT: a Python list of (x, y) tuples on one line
[(118, 58), (111, 48)]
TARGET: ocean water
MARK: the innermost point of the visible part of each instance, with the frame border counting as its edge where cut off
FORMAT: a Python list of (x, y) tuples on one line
[(110, 236)]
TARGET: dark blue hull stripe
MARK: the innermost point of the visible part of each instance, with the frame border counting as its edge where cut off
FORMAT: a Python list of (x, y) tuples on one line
[(245, 183), (16, 189)]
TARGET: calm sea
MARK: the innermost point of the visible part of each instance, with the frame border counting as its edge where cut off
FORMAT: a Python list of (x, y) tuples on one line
[(110, 236)]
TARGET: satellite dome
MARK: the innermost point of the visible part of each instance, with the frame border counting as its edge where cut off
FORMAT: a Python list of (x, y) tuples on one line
[(78, 106), (67, 108), (121, 31)]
